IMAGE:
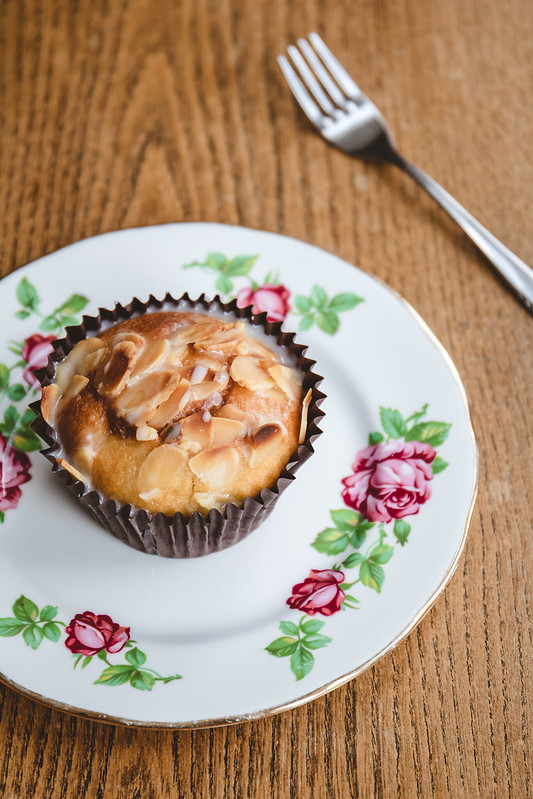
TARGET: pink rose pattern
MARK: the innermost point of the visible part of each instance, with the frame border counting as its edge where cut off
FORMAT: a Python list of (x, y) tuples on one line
[(272, 299), (14, 472), (390, 481), (88, 634), (319, 593), (35, 353)]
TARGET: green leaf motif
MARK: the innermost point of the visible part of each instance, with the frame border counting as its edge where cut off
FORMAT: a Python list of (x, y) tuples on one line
[(318, 296), (52, 631), (48, 613), (433, 433), (307, 321), (328, 321), (393, 422), (74, 304), (288, 628), (381, 553), (16, 392), (25, 610), (216, 261), (115, 675), (4, 376), (22, 314), (2, 516), (375, 438), (311, 625), (27, 294), (401, 531), (86, 660), (439, 465), (33, 636), (49, 323), (282, 647), (172, 677), (302, 661), (303, 304), (27, 417), (136, 657), (142, 680), (352, 560), (10, 627), (315, 641), (27, 441), (223, 284), (372, 575), (331, 541), (11, 418), (344, 302), (344, 519), (241, 265)]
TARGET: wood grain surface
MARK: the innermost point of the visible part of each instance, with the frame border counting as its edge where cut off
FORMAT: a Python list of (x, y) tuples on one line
[(135, 112)]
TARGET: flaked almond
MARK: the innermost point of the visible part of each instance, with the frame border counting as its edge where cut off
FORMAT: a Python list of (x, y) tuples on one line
[(171, 407), (72, 363), (251, 346), (216, 467), (76, 385), (139, 401), (286, 380), (303, 419), (197, 430), (154, 495), (231, 411), (201, 391), (221, 341), (198, 331), (225, 431), (247, 371), (113, 376), (161, 469), (128, 335), (151, 357), (145, 433), (72, 469), (49, 400), (265, 441)]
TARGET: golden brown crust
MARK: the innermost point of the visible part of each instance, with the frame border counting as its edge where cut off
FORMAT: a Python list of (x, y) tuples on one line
[(179, 412)]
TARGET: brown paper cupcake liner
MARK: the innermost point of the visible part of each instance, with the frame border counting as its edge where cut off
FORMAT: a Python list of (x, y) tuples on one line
[(180, 536)]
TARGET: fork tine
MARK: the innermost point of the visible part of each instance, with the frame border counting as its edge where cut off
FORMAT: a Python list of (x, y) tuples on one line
[(337, 70), (301, 94), (322, 74), (310, 80)]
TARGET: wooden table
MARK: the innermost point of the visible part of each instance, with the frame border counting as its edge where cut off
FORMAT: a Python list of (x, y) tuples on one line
[(117, 114)]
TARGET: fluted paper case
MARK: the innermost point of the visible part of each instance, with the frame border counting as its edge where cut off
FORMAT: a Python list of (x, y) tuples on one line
[(180, 536)]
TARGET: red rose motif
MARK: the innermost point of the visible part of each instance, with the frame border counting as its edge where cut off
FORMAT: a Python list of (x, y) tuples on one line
[(272, 299), (14, 471), (88, 634), (319, 593), (390, 481), (35, 352)]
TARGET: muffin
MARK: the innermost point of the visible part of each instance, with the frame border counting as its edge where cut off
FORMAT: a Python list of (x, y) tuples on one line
[(179, 422)]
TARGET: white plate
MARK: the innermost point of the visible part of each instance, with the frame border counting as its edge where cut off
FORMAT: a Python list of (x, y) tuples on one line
[(211, 619)]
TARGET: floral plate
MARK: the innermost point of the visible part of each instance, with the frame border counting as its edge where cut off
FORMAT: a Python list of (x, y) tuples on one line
[(356, 552)]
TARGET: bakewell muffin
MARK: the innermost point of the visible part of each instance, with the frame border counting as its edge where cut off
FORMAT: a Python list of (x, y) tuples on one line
[(178, 423), (176, 412)]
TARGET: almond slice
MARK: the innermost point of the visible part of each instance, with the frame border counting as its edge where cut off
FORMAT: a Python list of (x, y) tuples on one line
[(198, 331), (84, 457), (115, 373), (151, 357), (221, 341), (231, 411), (286, 380), (216, 467), (171, 407), (72, 469), (71, 365), (251, 346), (197, 430), (76, 385), (225, 431), (128, 335), (161, 469), (209, 500), (303, 419), (247, 371), (139, 401), (265, 441), (145, 433), (49, 400)]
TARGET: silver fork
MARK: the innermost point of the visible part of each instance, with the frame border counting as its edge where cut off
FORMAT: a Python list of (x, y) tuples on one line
[(346, 118)]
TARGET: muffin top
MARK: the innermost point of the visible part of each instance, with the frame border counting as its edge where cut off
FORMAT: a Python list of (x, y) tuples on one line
[(176, 411)]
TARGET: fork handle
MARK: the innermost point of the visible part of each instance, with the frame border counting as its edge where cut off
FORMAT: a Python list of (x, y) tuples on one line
[(514, 271)]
